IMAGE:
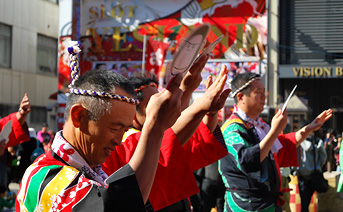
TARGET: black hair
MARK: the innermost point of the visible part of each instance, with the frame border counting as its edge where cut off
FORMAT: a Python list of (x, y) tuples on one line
[(97, 66), (138, 82), (99, 81), (239, 80), (124, 65)]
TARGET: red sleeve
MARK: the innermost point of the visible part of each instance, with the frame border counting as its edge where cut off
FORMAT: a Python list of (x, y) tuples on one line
[(174, 180), (203, 148), (19, 133), (287, 156), (121, 155)]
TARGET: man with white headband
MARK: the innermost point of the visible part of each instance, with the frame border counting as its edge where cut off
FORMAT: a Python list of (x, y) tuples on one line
[(99, 109), (256, 151)]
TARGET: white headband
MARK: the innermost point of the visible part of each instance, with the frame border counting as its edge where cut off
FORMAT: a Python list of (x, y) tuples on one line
[(233, 94)]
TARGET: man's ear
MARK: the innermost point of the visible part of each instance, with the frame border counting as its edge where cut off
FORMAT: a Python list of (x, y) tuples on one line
[(77, 114), (135, 119), (240, 96), (136, 122)]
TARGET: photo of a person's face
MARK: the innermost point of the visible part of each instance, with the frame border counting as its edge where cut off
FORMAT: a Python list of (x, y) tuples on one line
[(124, 70), (101, 66)]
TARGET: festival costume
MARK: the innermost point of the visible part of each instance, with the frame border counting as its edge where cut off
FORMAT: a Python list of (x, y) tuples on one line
[(19, 132), (61, 180), (174, 179), (252, 185)]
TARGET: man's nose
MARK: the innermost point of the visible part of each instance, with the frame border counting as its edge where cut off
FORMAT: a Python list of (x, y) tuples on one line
[(118, 139)]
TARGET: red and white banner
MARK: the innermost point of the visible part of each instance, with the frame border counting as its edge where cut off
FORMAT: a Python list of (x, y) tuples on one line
[(155, 55)]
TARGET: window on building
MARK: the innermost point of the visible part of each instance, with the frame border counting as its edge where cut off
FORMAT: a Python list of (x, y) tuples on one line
[(46, 55), (5, 45), (6, 109), (310, 32), (38, 115)]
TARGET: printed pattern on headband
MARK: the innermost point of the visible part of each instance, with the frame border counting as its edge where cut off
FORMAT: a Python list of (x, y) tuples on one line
[(145, 86), (244, 86), (73, 50), (104, 95)]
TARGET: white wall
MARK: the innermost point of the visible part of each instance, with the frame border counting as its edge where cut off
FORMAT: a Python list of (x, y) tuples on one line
[(27, 19)]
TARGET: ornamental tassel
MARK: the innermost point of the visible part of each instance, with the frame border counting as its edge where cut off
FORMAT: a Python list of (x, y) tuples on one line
[(73, 50)]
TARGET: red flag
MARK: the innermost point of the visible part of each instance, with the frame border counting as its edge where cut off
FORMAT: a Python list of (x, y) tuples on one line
[(155, 55)]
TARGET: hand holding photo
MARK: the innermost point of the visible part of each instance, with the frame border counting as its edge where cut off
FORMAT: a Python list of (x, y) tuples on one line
[(189, 49), (210, 47), (289, 97), (187, 53)]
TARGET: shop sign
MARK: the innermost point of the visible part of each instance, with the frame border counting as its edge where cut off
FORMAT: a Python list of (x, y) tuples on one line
[(289, 71)]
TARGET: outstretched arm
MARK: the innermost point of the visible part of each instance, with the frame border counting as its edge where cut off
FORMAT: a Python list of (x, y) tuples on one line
[(279, 122), (191, 80), (212, 100), (162, 111), (317, 123), (211, 118)]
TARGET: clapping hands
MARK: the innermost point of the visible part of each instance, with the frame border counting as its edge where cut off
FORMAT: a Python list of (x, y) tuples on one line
[(215, 96), (165, 107)]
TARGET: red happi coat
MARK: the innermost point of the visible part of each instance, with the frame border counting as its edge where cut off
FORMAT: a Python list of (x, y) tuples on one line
[(19, 133), (174, 180)]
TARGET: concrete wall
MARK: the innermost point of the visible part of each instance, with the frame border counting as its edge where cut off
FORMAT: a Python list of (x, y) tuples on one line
[(27, 19), (272, 58)]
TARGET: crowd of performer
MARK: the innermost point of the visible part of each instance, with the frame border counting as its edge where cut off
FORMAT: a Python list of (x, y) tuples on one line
[(125, 146)]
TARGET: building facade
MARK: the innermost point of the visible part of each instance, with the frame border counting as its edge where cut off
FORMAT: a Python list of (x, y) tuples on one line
[(132, 38), (311, 56), (28, 58)]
